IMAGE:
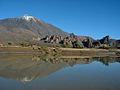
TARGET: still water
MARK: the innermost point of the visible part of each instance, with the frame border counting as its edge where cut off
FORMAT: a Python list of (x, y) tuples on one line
[(33, 72)]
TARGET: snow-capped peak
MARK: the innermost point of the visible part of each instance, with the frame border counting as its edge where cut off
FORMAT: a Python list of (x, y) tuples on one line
[(28, 18)]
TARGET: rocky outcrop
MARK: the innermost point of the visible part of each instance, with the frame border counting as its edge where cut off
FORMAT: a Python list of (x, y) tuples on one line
[(74, 41), (52, 39), (118, 44), (69, 41), (105, 40), (96, 44), (88, 43)]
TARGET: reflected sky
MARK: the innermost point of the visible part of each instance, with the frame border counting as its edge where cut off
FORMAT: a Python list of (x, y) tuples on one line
[(22, 72)]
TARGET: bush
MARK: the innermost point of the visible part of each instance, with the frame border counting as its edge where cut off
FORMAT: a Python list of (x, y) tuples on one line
[(79, 46), (66, 46), (9, 43), (24, 44)]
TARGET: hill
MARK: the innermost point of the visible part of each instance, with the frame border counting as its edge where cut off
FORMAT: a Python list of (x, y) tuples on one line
[(25, 29)]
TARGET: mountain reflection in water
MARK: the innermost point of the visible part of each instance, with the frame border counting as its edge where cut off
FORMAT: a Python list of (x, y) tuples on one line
[(30, 67)]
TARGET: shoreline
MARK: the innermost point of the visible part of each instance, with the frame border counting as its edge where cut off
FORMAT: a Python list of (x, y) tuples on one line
[(64, 51)]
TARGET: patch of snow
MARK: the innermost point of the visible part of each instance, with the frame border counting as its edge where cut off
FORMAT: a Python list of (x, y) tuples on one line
[(28, 18)]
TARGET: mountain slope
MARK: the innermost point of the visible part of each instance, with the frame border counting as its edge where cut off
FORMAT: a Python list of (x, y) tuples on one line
[(25, 29)]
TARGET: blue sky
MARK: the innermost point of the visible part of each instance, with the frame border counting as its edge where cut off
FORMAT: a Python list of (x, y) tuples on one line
[(95, 18)]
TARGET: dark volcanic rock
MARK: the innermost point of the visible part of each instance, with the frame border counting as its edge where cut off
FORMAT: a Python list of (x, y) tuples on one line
[(118, 44), (109, 43), (105, 40), (96, 44)]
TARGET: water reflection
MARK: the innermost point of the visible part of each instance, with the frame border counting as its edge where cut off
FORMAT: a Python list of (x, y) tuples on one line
[(107, 60), (26, 68)]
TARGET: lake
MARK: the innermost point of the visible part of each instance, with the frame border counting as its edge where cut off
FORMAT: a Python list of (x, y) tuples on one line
[(35, 72)]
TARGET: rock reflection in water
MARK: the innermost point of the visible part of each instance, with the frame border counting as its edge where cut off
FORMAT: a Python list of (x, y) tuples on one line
[(29, 67)]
